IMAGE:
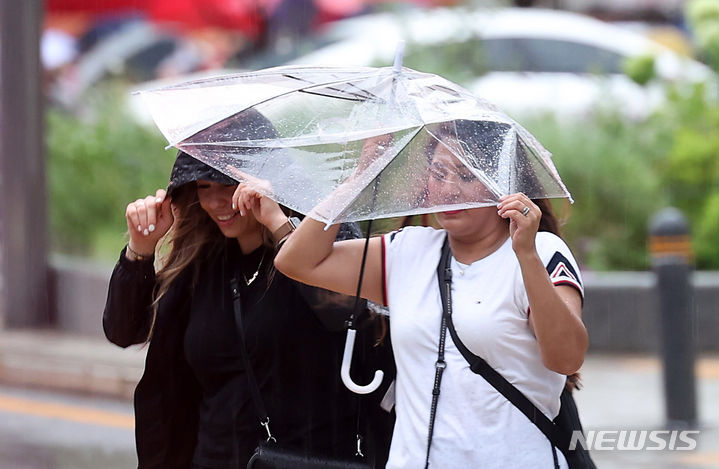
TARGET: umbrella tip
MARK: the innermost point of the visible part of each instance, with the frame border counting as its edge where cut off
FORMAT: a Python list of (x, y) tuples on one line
[(399, 56)]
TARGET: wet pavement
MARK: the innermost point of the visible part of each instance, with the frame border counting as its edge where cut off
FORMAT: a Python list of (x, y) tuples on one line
[(44, 429), (83, 417)]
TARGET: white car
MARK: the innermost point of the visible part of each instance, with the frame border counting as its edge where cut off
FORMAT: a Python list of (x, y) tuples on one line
[(525, 60)]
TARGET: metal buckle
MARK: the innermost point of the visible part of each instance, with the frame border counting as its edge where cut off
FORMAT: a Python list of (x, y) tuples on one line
[(359, 446), (266, 424)]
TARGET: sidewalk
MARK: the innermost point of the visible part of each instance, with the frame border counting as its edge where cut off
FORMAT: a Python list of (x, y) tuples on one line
[(49, 359), (621, 392)]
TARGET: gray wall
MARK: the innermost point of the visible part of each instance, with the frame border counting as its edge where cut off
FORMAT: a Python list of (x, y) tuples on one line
[(620, 310)]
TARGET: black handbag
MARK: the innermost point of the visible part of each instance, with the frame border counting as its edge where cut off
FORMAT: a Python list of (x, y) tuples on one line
[(269, 455), (274, 457), (558, 431)]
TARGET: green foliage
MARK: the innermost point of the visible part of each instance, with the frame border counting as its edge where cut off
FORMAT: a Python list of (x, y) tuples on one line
[(640, 69), (703, 17), (607, 165), (95, 167), (690, 171), (622, 172)]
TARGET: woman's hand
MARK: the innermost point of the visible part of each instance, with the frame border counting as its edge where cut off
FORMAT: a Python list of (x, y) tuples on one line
[(265, 210), (524, 218), (148, 220)]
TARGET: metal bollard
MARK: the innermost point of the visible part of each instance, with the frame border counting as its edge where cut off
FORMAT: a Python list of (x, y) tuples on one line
[(670, 248)]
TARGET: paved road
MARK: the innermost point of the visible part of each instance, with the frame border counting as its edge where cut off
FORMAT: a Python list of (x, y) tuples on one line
[(53, 430), (626, 393), (48, 430)]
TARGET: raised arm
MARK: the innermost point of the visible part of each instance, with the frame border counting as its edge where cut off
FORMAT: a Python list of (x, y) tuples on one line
[(128, 312), (310, 255), (555, 311)]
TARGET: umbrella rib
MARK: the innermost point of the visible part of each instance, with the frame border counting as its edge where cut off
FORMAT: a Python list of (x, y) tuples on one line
[(357, 99), (304, 90), (362, 96), (351, 201)]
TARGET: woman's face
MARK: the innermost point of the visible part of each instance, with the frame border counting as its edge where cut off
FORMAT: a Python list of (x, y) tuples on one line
[(451, 182), (216, 199)]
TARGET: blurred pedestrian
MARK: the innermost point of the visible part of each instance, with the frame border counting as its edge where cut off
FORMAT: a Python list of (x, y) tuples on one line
[(194, 405), (516, 302)]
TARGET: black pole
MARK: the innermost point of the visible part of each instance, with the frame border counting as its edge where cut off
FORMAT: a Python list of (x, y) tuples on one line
[(670, 249), (23, 232)]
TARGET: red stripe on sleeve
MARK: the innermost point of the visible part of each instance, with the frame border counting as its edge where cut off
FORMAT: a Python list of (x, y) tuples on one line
[(384, 273)]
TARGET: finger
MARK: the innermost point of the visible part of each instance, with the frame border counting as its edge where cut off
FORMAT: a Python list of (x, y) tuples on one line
[(141, 215), (160, 195), (236, 197), (247, 201), (133, 220), (249, 196), (165, 216), (239, 199), (510, 205), (151, 210), (506, 199)]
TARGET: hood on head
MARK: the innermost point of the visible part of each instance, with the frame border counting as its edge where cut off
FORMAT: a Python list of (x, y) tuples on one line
[(189, 169)]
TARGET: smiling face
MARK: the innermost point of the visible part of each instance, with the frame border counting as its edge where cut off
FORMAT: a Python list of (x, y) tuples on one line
[(216, 199)]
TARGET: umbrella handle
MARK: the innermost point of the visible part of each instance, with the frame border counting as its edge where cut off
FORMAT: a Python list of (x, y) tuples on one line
[(345, 370), (399, 56)]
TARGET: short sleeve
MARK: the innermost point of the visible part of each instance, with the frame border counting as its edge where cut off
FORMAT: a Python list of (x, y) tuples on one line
[(559, 261)]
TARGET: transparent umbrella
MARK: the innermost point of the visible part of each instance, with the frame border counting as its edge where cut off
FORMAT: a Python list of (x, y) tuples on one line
[(350, 144), (359, 140)]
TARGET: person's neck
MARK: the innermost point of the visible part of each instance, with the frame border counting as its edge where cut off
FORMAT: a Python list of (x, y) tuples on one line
[(468, 249), (249, 242)]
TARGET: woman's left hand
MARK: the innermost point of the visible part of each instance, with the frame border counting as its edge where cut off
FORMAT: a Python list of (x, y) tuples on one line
[(524, 218), (265, 210)]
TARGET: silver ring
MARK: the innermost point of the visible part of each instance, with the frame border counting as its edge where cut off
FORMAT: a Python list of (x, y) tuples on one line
[(525, 210)]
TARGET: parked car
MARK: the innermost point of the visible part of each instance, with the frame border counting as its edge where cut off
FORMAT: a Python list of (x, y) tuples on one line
[(525, 60)]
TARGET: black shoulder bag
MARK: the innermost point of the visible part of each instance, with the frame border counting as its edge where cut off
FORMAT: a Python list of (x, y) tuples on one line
[(269, 455), (559, 431)]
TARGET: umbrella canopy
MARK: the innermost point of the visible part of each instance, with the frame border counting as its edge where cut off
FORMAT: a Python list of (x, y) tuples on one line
[(356, 143)]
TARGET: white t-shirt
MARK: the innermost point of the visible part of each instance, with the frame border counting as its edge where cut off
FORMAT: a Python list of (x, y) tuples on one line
[(475, 426)]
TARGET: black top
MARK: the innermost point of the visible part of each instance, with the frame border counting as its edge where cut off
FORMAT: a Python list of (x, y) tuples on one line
[(193, 401)]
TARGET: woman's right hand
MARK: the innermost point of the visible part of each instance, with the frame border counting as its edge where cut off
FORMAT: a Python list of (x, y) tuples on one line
[(148, 220)]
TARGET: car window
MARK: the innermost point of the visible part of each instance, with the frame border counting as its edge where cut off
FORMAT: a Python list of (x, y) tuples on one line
[(548, 55)]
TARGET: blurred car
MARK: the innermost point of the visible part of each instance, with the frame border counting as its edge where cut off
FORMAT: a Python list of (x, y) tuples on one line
[(525, 60)]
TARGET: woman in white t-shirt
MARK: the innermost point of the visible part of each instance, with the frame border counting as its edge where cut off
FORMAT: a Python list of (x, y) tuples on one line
[(517, 300)]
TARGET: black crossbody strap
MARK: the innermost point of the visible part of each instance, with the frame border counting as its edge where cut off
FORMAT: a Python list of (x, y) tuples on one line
[(254, 388), (481, 367), (440, 364)]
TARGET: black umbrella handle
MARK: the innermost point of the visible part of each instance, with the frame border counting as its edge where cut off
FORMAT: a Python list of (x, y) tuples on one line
[(350, 323)]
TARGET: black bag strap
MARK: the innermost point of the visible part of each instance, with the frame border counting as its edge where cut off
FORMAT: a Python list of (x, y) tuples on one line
[(440, 364), (254, 388), (478, 365)]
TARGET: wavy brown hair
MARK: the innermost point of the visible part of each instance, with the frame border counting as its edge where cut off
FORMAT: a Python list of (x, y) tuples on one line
[(193, 234)]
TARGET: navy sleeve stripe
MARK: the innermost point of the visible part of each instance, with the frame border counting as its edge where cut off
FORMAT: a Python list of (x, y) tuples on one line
[(561, 269)]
